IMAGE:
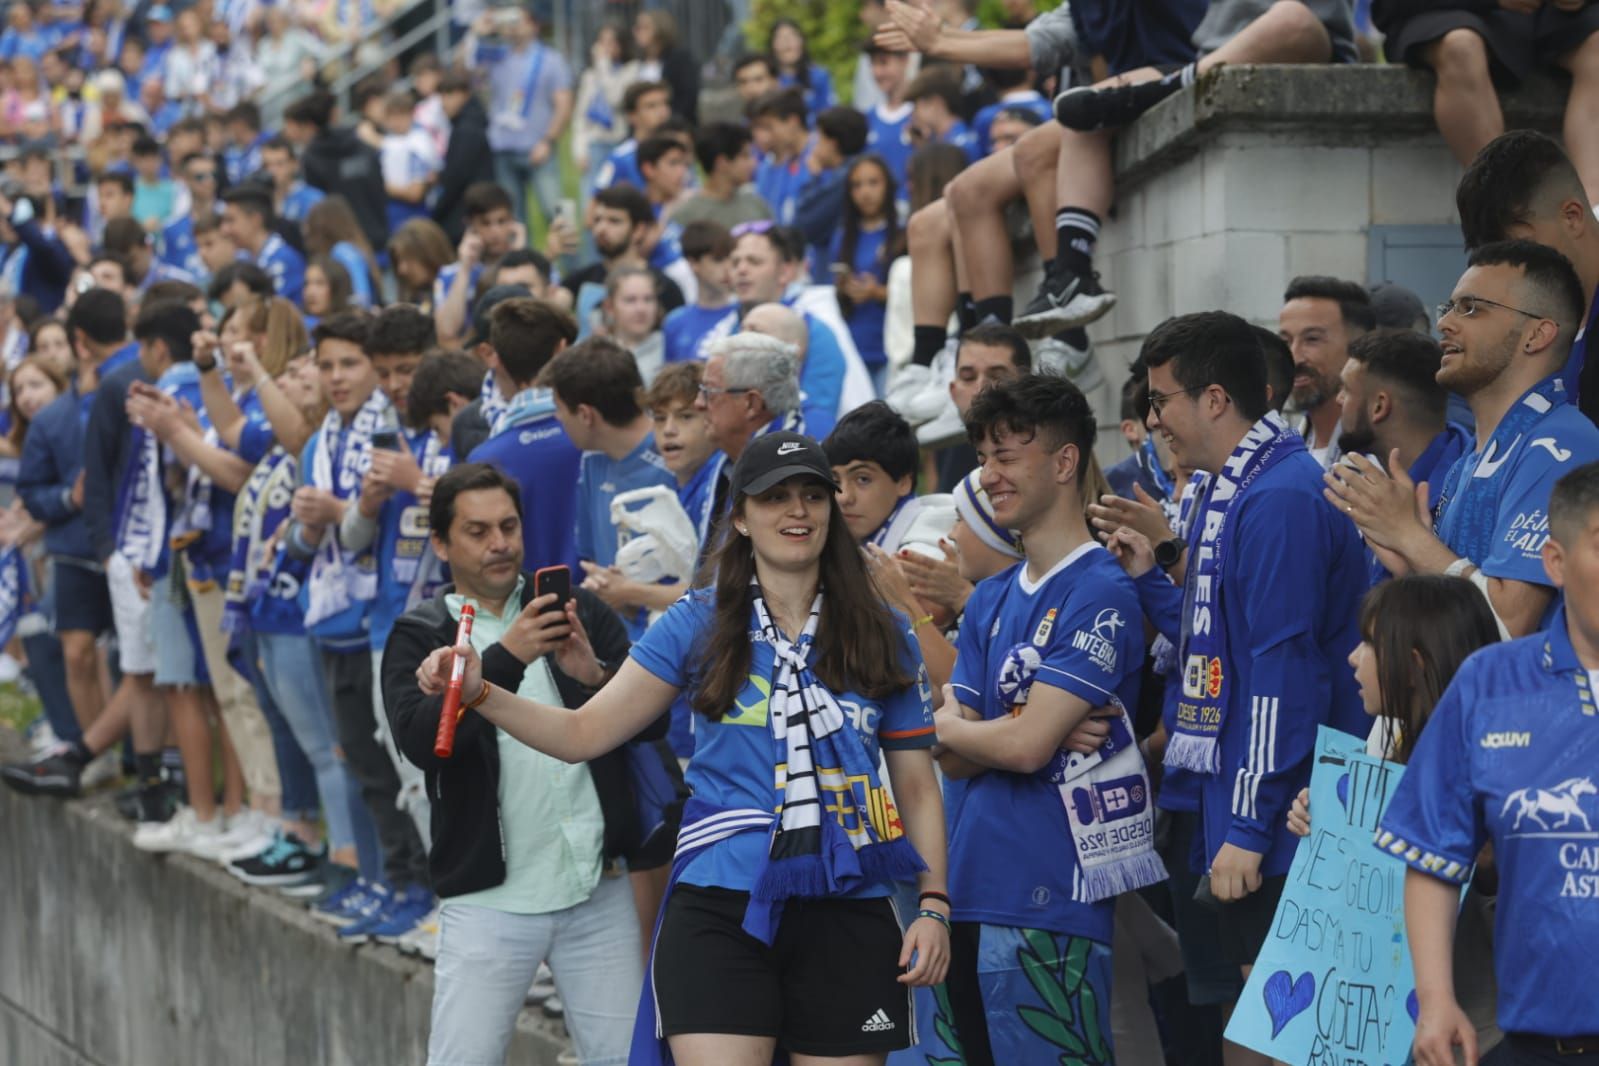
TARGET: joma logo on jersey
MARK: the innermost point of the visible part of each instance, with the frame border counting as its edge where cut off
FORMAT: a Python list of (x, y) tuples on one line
[(1492, 741)]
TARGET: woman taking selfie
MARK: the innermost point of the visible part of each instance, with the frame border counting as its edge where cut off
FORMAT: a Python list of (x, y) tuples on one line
[(779, 932)]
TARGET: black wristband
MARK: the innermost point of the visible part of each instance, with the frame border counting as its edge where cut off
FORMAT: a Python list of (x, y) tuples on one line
[(935, 895)]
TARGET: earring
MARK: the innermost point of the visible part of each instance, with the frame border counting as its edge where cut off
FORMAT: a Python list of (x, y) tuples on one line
[(742, 531)]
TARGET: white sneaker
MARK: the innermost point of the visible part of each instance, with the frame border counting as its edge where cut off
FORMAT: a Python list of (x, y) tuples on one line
[(1057, 355), (246, 835), (920, 393), (424, 939), (182, 832), (42, 739), (946, 428), (102, 770)]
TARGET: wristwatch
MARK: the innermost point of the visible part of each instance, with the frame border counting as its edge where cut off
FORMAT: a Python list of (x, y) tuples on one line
[(204, 367), (1168, 552)]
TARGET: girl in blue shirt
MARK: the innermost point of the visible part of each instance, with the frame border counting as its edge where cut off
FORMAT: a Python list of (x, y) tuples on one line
[(332, 231), (788, 48), (327, 290), (863, 247), (779, 932)]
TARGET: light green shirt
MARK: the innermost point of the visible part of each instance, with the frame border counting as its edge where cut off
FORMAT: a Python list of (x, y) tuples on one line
[(550, 816)]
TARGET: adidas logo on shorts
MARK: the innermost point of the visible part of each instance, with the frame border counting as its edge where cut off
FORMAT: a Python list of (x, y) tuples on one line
[(877, 1023)]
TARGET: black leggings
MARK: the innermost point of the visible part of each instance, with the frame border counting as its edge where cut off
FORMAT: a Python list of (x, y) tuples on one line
[(966, 995)]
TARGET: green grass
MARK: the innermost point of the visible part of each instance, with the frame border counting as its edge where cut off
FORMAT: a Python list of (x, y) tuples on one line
[(17, 709)]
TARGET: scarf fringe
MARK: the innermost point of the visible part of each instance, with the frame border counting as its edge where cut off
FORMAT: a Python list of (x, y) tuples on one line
[(1202, 755), (1123, 875), (808, 876)]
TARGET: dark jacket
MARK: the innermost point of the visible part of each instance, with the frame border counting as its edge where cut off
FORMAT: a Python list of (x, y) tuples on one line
[(468, 853), (681, 72), (52, 456), (467, 160), (341, 164), (106, 453), (48, 268), (469, 428)]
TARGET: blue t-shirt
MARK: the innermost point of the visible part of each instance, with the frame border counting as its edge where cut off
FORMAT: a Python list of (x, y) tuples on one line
[(600, 480), (544, 462), (866, 320), (1028, 100), (1561, 440), (238, 163), (299, 200), (446, 278), (620, 166), (962, 137), (286, 267), (178, 247), (128, 353), (522, 89), (888, 134), (689, 329), (1431, 466), (734, 758), (819, 97), (821, 378), (402, 546), (363, 287), (1076, 629), (779, 183), (1510, 756), (669, 249)]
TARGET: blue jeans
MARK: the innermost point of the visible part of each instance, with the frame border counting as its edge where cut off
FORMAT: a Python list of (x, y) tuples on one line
[(47, 669), (487, 959), (296, 775), (515, 173), (292, 670)]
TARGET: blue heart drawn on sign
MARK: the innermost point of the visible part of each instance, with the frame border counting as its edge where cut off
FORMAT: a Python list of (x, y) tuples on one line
[(1412, 1007), (1343, 790), (1286, 997)]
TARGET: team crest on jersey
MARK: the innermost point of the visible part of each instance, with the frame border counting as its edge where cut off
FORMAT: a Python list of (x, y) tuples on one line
[(1016, 674), (1041, 634)]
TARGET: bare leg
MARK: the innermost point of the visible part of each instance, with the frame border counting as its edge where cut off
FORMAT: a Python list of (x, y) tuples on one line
[(1037, 159), (112, 725), (1287, 32), (147, 714), (977, 199), (1582, 113), (194, 744), (720, 1049), (83, 675), (927, 238), (1464, 101), (232, 771)]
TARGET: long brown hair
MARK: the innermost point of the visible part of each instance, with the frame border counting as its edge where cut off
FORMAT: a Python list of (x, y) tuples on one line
[(330, 221), (280, 327), (19, 424), (425, 241), (858, 643), (1421, 628)]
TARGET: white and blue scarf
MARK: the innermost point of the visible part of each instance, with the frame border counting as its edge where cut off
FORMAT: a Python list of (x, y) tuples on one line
[(491, 401), (415, 565), (194, 518), (339, 464), (142, 529), (1180, 516), (1207, 665), (529, 405), (262, 504), (815, 854), (13, 591), (1465, 516)]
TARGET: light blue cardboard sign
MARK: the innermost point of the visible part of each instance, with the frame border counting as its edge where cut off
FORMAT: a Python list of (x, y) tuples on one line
[(1333, 984)]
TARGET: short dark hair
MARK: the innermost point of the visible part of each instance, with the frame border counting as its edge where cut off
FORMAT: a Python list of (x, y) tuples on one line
[(874, 433), (1279, 358), (481, 197), (1048, 406), (119, 178), (997, 335), (639, 90), (787, 241), (517, 257), (120, 261), (1572, 502), (751, 59), (170, 322), (845, 127), (601, 373), (146, 145), (123, 235), (455, 81), (438, 375), (1555, 288), (1026, 116), (277, 143), (940, 81), (246, 112), (1513, 175), (101, 315), (653, 148), (1354, 302), (251, 276), (780, 104), (349, 326), (254, 199), (313, 109), (703, 237), (1212, 348), (719, 140), (400, 329), (1135, 397), (171, 289), (624, 197), (467, 477), (1408, 360), (525, 333)]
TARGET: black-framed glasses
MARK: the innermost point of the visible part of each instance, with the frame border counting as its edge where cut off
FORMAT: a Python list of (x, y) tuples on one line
[(1157, 400), (1466, 306), (707, 391)]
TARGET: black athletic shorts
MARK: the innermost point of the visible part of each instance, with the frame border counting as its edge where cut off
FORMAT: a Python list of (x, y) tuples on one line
[(82, 600), (1517, 43), (1245, 923), (826, 986)]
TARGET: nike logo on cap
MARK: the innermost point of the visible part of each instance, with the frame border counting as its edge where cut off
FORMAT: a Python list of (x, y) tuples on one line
[(789, 447)]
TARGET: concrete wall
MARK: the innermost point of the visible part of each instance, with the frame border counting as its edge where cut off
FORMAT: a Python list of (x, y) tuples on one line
[(110, 956)]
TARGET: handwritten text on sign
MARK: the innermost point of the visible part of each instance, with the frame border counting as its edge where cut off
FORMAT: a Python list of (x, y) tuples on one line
[(1333, 984)]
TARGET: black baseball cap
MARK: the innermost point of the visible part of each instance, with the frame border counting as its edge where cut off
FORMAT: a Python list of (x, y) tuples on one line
[(777, 457), (1396, 307), (484, 309)]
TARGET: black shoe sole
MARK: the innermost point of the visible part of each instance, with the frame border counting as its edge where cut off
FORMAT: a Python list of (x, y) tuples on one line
[(29, 785), (1057, 319)]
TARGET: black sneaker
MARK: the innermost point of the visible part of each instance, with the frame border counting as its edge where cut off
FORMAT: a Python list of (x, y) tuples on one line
[(286, 861), (51, 774), (1064, 300), (1086, 109)]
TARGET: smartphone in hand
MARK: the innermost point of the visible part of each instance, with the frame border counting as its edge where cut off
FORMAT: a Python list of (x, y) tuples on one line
[(556, 579)]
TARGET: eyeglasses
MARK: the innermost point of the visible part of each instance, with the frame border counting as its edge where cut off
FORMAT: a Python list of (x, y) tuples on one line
[(1466, 306), (758, 226), (203, 175), (1157, 400), (707, 391)]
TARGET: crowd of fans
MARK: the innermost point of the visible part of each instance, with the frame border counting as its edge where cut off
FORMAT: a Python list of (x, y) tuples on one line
[(281, 401)]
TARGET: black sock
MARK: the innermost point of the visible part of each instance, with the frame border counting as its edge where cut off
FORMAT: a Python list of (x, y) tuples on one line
[(1076, 231), (994, 309), (147, 768), (76, 752), (966, 311), (929, 342)]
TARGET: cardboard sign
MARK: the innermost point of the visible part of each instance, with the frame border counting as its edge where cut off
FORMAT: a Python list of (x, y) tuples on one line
[(1333, 985)]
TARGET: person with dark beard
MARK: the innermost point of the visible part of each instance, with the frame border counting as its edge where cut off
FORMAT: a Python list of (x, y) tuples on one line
[(621, 217), (1320, 316), (1393, 405)]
